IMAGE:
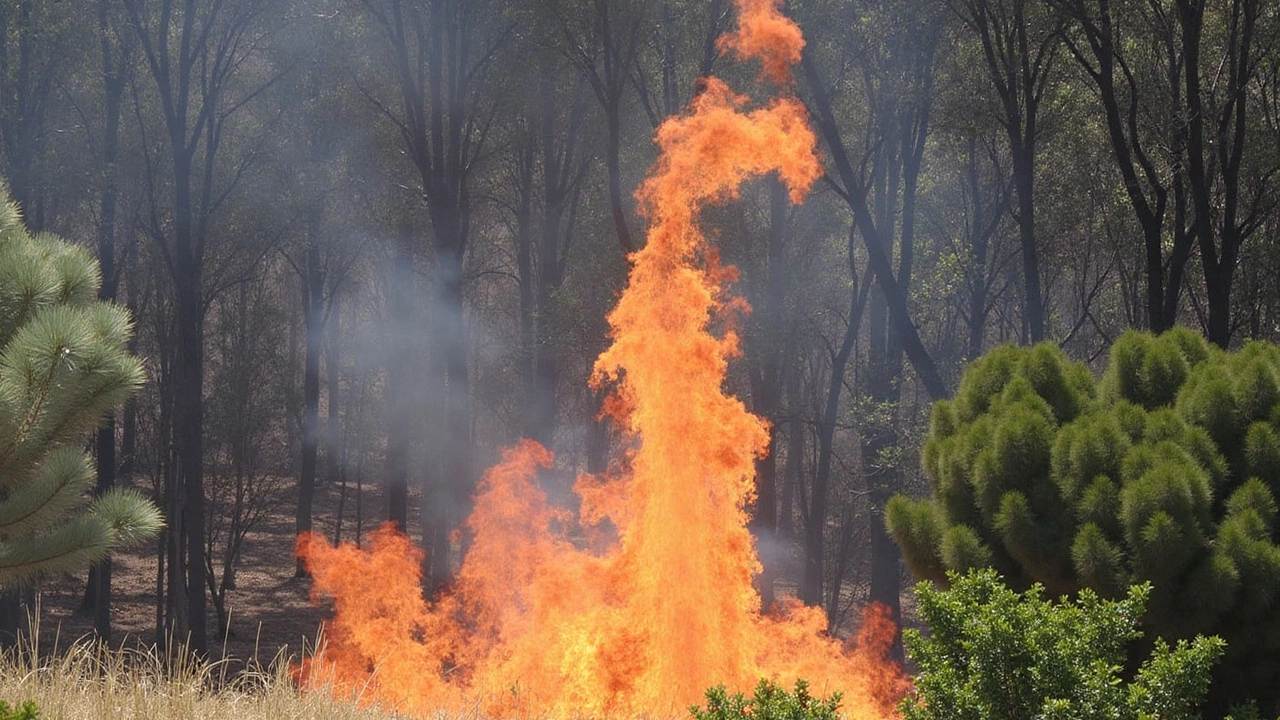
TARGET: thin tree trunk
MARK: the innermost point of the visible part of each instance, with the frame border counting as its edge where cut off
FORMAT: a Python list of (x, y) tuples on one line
[(313, 303), (766, 391), (816, 522), (334, 446), (98, 591), (398, 384), (794, 468), (880, 264)]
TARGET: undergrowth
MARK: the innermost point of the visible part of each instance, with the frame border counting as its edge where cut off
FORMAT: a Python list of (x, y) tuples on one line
[(90, 681)]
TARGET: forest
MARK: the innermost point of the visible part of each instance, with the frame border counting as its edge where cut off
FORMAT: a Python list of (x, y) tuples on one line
[(368, 244)]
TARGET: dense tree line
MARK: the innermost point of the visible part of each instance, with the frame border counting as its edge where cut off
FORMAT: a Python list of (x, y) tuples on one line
[(368, 242)]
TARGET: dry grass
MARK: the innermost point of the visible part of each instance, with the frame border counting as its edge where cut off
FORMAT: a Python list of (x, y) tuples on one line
[(88, 681)]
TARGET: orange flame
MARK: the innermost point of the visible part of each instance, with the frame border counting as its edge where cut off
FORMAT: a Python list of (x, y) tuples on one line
[(538, 625)]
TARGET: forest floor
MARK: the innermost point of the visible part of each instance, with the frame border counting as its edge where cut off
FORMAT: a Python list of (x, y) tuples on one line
[(271, 611)]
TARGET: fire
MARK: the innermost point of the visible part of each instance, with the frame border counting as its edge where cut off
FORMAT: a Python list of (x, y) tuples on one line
[(536, 623)]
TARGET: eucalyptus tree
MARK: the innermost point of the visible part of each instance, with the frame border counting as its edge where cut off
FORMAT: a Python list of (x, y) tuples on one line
[(40, 43), (1020, 42), (442, 56), (1176, 80), (603, 39), (894, 60), (202, 72), (117, 49)]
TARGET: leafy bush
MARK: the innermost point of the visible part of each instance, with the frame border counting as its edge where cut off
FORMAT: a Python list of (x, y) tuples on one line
[(28, 711), (996, 654), (769, 702), (1166, 470)]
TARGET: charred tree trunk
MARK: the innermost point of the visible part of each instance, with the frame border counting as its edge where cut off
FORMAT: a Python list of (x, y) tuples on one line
[(189, 422), (854, 191), (766, 386), (313, 304), (334, 447), (97, 599), (793, 470), (450, 505), (816, 518), (398, 388)]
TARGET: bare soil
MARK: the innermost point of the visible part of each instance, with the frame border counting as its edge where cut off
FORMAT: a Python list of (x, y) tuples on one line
[(270, 610)]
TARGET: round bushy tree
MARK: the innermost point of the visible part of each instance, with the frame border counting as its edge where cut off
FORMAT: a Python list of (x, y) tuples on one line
[(63, 366), (1166, 470)]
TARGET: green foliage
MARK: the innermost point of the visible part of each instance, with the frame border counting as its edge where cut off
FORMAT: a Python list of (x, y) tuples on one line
[(28, 711), (770, 701), (995, 654), (1166, 470), (63, 366)]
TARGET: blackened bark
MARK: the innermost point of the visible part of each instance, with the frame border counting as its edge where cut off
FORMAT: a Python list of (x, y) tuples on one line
[(613, 165), (190, 436), (854, 192), (313, 310), (766, 385), (981, 229), (453, 504), (334, 447), (816, 519), (1019, 65), (398, 388), (98, 591), (793, 470), (1097, 50)]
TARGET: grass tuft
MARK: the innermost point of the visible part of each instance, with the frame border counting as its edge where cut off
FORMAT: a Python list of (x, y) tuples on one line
[(89, 680)]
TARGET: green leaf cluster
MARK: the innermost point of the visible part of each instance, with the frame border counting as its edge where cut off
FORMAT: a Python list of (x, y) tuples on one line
[(1165, 470), (996, 654), (28, 711), (770, 701), (63, 365)]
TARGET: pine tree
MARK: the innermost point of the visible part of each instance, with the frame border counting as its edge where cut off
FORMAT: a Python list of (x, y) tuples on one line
[(1166, 470), (63, 366)]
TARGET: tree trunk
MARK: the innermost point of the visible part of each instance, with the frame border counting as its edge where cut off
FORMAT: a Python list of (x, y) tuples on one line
[(1024, 180), (334, 447), (793, 470), (313, 310), (613, 165), (97, 597), (766, 387), (451, 504), (879, 263), (190, 431), (398, 388), (816, 522), (980, 232)]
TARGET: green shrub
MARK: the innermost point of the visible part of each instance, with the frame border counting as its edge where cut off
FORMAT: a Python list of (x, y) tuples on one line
[(28, 711), (1164, 471), (769, 702), (996, 654)]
